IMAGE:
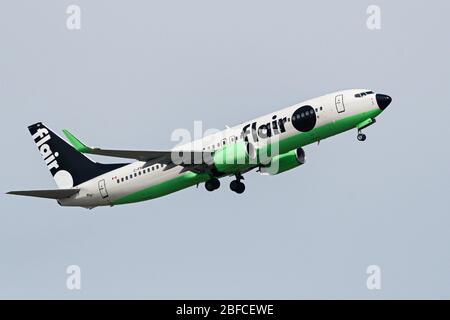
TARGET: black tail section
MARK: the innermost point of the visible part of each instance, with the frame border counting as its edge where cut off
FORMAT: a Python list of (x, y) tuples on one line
[(68, 167)]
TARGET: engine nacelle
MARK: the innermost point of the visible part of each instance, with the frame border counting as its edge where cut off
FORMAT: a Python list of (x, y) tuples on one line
[(284, 162), (235, 157)]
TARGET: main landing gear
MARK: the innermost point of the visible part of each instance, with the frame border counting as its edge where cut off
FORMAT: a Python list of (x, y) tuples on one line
[(212, 184), (236, 185)]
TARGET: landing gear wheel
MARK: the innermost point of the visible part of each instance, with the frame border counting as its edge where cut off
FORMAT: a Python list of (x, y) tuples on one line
[(237, 186), (361, 137), (241, 188), (212, 184)]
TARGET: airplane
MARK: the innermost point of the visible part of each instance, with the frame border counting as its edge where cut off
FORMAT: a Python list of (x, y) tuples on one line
[(271, 144)]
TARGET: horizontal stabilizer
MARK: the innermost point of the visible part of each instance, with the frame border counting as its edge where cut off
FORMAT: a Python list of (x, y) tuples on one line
[(49, 194)]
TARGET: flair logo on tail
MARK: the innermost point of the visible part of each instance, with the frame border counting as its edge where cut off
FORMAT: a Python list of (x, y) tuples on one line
[(41, 137)]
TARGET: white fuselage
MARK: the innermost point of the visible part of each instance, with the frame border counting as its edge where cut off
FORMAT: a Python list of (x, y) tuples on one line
[(104, 189)]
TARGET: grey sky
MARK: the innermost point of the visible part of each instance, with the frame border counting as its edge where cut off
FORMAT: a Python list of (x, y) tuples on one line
[(138, 70)]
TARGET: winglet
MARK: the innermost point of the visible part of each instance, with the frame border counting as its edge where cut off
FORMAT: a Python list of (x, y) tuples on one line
[(77, 144)]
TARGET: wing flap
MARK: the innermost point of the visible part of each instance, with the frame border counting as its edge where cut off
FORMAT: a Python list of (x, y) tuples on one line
[(187, 157), (48, 194), (130, 154)]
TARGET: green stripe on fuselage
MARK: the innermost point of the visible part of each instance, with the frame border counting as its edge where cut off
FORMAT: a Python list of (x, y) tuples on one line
[(301, 139), (180, 182), (325, 131)]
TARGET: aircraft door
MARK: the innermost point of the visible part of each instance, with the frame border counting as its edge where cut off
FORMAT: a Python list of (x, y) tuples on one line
[(339, 100), (102, 189)]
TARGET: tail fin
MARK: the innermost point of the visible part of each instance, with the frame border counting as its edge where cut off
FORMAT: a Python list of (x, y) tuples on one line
[(68, 167)]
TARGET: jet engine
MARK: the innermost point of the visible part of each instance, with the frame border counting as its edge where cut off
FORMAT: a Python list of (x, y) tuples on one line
[(284, 162)]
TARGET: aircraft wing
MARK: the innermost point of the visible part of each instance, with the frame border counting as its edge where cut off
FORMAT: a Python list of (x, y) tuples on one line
[(184, 157), (49, 194)]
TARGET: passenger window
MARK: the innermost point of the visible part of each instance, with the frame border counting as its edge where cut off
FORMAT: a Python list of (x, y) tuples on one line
[(140, 173), (126, 178), (118, 181)]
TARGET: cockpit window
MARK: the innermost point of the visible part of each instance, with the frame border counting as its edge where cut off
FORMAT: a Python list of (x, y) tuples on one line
[(362, 94)]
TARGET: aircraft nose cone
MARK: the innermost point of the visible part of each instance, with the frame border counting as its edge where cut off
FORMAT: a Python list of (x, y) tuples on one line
[(383, 101)]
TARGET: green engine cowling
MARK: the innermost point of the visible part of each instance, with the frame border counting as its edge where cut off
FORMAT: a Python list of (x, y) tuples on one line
[(284, 162), (234, 157)]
